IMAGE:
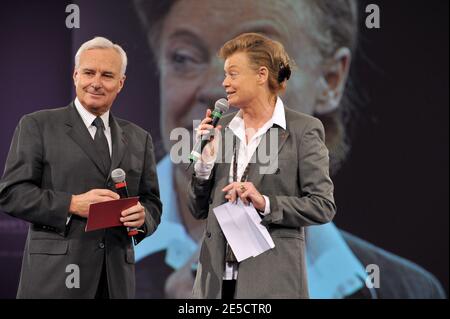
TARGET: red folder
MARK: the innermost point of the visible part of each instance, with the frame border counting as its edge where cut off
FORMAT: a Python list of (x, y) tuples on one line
[(107, 214)]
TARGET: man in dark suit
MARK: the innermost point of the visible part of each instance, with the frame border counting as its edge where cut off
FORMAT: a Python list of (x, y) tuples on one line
[(59, 164)]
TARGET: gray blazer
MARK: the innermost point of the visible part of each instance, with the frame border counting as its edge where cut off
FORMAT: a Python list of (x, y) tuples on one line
[(300, 193), (52, 156)]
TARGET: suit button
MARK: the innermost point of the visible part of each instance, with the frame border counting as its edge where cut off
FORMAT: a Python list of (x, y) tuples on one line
[(208, 234), (210, 201), (101, 245)]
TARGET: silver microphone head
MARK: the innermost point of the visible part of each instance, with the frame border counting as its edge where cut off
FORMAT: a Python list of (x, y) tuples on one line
[(221, 105), (118, 175)]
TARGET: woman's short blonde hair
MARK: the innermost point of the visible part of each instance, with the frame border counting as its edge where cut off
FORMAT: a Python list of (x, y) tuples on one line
[(262, 51)]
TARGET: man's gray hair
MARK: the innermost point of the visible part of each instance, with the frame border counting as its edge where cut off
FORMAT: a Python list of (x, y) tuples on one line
[(102, 43)]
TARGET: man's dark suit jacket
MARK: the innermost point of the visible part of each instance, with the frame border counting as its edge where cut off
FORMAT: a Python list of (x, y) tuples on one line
[(53, 156)]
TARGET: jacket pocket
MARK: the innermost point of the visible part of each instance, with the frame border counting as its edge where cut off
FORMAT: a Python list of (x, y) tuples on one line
[(48, 247), (287, 233)]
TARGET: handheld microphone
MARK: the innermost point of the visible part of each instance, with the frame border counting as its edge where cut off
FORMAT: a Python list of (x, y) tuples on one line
[(118, 176), (221, 106)]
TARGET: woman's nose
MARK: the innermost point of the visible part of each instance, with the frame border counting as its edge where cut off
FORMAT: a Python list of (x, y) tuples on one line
[(225, 83)]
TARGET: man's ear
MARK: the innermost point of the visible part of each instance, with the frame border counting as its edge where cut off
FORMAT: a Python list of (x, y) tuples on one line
[(331, 84), (75, 77), (121, 83)]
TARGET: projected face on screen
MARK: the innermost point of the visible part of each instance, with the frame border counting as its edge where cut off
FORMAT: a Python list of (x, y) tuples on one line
[(319, 35), (193, 31)]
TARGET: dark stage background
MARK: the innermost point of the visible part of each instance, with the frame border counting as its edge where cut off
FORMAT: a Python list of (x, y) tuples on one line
[(392, 190)]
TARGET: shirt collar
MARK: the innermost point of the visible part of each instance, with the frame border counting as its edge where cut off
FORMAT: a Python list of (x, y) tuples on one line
[(88, 117), (278, 118)]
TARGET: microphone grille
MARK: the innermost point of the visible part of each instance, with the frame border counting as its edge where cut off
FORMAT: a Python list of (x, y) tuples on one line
[(221, 105), (118, 175)]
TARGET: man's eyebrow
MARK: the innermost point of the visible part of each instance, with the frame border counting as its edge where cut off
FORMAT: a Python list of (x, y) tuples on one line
[(190, 38)]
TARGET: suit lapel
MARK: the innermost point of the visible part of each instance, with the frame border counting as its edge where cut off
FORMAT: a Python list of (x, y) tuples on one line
[(257, 169), (119, 144), (80, 134), (226, 154), (282, 138)]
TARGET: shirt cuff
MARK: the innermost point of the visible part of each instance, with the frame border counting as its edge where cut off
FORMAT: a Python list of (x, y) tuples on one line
[(267, 208), (203, 170)]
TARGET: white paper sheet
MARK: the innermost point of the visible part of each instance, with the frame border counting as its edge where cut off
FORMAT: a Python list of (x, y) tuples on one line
[(242, 228)]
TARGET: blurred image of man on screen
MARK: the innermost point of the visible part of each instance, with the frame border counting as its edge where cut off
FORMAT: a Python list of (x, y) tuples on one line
[(321, 36)]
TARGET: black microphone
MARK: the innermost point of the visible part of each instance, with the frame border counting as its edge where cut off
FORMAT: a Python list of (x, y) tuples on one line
[(118, 176), (220, 107)]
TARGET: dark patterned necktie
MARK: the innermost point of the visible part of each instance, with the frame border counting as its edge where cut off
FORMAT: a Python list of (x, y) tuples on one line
[(102, 144)]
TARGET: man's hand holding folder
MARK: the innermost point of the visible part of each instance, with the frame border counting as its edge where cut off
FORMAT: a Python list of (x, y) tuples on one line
[(118, 212)]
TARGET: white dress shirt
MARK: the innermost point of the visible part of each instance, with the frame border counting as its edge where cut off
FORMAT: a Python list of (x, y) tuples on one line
[(88, 118), (245, 153)]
